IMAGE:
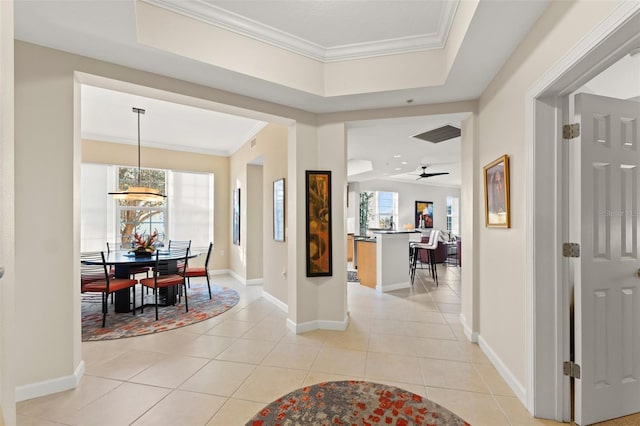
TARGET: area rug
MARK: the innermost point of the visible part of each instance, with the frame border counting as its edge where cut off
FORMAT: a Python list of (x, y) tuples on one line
[(353, 403), (120, 325)]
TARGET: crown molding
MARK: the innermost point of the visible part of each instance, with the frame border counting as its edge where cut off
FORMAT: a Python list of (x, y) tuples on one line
[(226, 20)]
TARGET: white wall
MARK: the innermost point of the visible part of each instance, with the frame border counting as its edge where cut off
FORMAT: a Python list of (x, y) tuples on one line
[(409, 193)]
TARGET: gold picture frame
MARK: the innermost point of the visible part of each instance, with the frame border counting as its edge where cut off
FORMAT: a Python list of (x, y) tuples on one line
[(497, 211)]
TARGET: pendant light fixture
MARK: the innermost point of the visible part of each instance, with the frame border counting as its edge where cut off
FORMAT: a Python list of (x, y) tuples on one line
[(139, 193)]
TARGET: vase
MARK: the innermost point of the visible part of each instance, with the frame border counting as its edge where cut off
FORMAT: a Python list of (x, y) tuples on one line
[(142, 253)]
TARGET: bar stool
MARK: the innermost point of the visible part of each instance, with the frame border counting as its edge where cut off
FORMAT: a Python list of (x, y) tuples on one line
[(431, 248), (414, 254)]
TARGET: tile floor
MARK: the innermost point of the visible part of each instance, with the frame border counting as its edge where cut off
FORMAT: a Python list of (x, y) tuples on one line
[(223, 370)]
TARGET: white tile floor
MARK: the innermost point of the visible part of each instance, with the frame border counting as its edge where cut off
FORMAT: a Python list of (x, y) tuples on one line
[(223, 370)]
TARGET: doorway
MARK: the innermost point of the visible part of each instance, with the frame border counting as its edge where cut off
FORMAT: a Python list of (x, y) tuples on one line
[(548, 101)]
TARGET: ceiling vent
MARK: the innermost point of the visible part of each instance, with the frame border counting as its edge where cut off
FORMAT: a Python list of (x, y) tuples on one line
[(440, 134)]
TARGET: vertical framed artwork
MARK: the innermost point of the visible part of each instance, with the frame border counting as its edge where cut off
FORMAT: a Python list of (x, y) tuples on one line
[(236, 216), (278, 209), (496, 193), (318, 212), (424, 214)]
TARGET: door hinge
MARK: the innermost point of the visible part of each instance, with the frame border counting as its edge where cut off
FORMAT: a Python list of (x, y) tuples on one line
[(571, 369), (570, 131), (571, 250)]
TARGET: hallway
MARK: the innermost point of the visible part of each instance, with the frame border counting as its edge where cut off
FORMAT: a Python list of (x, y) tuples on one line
[(223, 370)]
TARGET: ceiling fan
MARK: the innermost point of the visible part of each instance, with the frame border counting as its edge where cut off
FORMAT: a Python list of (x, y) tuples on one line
[(424, 173)]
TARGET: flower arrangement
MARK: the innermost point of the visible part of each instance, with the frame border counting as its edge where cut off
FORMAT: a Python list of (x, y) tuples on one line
[(144, 244)]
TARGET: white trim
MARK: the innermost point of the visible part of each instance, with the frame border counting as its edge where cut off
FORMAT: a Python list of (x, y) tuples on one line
[(517, 387), (243, 280), (391, 287), (595, 51), (275, 301), (318, 325), (47, 387), (219, 272), (471, 335), (230, 21)]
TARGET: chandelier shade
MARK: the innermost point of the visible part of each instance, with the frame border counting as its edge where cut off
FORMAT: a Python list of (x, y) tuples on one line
[(139, 192)]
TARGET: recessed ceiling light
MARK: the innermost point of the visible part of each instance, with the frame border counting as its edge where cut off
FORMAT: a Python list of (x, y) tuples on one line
[(398, 168), (397, 156), (403, 162)]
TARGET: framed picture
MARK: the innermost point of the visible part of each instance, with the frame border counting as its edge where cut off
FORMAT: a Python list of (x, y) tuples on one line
[(278, 209), (496, 193), (424, 214), (236, 216), (318, 209)]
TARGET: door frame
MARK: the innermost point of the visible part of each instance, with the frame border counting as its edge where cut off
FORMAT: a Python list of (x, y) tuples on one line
[(547, 306)]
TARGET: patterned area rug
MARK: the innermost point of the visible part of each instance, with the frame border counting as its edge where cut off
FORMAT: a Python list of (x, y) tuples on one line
[(121, 325), (353, 403)]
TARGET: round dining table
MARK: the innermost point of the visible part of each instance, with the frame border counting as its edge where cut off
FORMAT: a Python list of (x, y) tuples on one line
[(123, 261)]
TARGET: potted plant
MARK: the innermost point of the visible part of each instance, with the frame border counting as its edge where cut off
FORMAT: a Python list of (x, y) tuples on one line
[(365, 211), (144, 245)]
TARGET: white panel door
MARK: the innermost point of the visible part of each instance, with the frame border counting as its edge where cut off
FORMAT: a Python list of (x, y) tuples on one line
[(607, 284)]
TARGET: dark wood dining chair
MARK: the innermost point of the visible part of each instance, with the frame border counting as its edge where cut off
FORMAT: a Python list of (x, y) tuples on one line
[(200, 271), (95, 278), (168, 273), (179, 244)]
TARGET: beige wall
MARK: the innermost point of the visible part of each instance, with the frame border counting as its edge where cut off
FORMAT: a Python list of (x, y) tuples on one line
[(47, 163), (258, 259), (127, 155), (255, 221), (7, 240), (501, 130)]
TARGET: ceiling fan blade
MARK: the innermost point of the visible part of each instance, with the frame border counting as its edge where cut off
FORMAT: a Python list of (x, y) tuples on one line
[(435, 174)]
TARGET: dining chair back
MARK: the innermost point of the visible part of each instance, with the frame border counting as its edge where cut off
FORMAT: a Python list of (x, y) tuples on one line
[(177, 244), (95, 278), (168, 273), (200, 271)]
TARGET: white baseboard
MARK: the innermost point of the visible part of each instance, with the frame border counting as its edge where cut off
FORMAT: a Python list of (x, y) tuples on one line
[(255, 281), (275, 301), (518, 389), (471, 335), (392, 287), (47, 387), (318, 325)]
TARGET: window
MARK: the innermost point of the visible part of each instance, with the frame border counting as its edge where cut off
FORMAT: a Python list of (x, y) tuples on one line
[(453, 215), (384, 210), (186, 213), (141, 217)]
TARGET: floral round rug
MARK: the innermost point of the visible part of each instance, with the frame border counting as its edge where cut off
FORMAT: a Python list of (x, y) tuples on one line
[(354, 403), (119, 325)]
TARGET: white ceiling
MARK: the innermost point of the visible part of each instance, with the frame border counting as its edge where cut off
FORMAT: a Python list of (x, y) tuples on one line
[(106, 30)]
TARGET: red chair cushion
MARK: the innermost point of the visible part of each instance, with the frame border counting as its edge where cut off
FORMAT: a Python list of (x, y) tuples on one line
[(114, 285), (195, 272), (163, 281)]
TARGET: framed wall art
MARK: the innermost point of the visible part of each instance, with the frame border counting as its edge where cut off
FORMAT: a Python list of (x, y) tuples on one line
[(496, 193), (423, 214), (318, 226), (236, 216), (278, 209)]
